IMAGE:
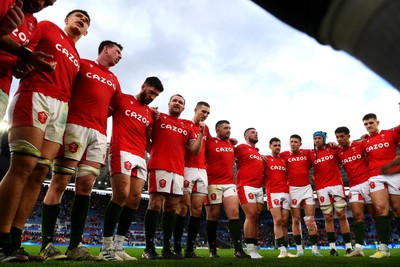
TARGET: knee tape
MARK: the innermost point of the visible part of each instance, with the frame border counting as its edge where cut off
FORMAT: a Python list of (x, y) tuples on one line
[(340, 205), (23, 147), (64, 170), (310, 222), (46, 162), (84, 170), (326, 209)]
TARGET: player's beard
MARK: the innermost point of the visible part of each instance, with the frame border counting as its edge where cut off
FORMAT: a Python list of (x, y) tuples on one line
[(175, 112), (253, 140), (142, 98)]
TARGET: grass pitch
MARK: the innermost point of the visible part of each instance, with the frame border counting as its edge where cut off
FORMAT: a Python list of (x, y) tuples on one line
[(227, 259)]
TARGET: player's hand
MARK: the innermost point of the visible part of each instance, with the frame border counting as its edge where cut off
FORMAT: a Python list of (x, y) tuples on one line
[(37, 60), (332, 144), (21, 68), (13, 19), (233, 141), (364, 136), (264, 158), (392, 168), (202, 125), (156, 113)]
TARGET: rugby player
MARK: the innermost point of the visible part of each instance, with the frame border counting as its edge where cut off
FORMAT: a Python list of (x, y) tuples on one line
[(194, 187), (330, 190), (249, 182), (278, 199), (222, 190), (132, 120), (170, 136), (380, 147), (301, 194), (37, 115), (81, 154)]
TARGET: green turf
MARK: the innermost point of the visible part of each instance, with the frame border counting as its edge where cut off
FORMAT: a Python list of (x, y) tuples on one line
[(227, 259)]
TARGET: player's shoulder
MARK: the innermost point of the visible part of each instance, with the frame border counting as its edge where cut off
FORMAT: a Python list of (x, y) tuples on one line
[(241, 146), (45, 24), (356, 143), (125, 97), (284, 153), (188, 122), (213, 140), (87, 62), (29, 18)]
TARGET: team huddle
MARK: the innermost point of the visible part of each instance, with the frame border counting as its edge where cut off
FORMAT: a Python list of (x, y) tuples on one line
[(51, 129)]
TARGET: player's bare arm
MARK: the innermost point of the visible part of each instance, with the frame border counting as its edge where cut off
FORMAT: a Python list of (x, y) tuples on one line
[(37, 59), (20, 69), (233, 141), (156, 113), (13, 19), (195, 146)]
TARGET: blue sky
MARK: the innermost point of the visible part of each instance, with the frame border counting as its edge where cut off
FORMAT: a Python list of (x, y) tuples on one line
[(253, 70)]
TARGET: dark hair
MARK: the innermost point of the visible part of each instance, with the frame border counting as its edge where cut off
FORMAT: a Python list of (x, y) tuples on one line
[(155, 82), (108, 43), (274, 139), (219, 123), (80, 11), (342, 129), (248, 129), (369, 116), (184, 101), (202, 103), (295, 136)]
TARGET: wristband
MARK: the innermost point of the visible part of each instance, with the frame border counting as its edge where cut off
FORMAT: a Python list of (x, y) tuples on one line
[(24, 53)]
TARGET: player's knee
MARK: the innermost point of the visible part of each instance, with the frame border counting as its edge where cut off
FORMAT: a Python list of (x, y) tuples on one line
[(211, 214), (182, 209), (326, 209), (310, 222), (251, 216), (340, 205), (296, 220), (84, 169), (195, 211), (278, 220), (284, 222), (63, 170), (233, 214), (120, 199), (23, 147), (44, 164)]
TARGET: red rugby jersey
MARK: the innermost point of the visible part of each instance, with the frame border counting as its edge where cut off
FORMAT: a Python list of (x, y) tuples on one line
[(169, 136), (197, 161), (93, 89), (326, 167), (27, 34), (297, 167), (250, 167), (381, 149), (56, 84), (355, 163), (276, 176), (220, 160), (131, 120)]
